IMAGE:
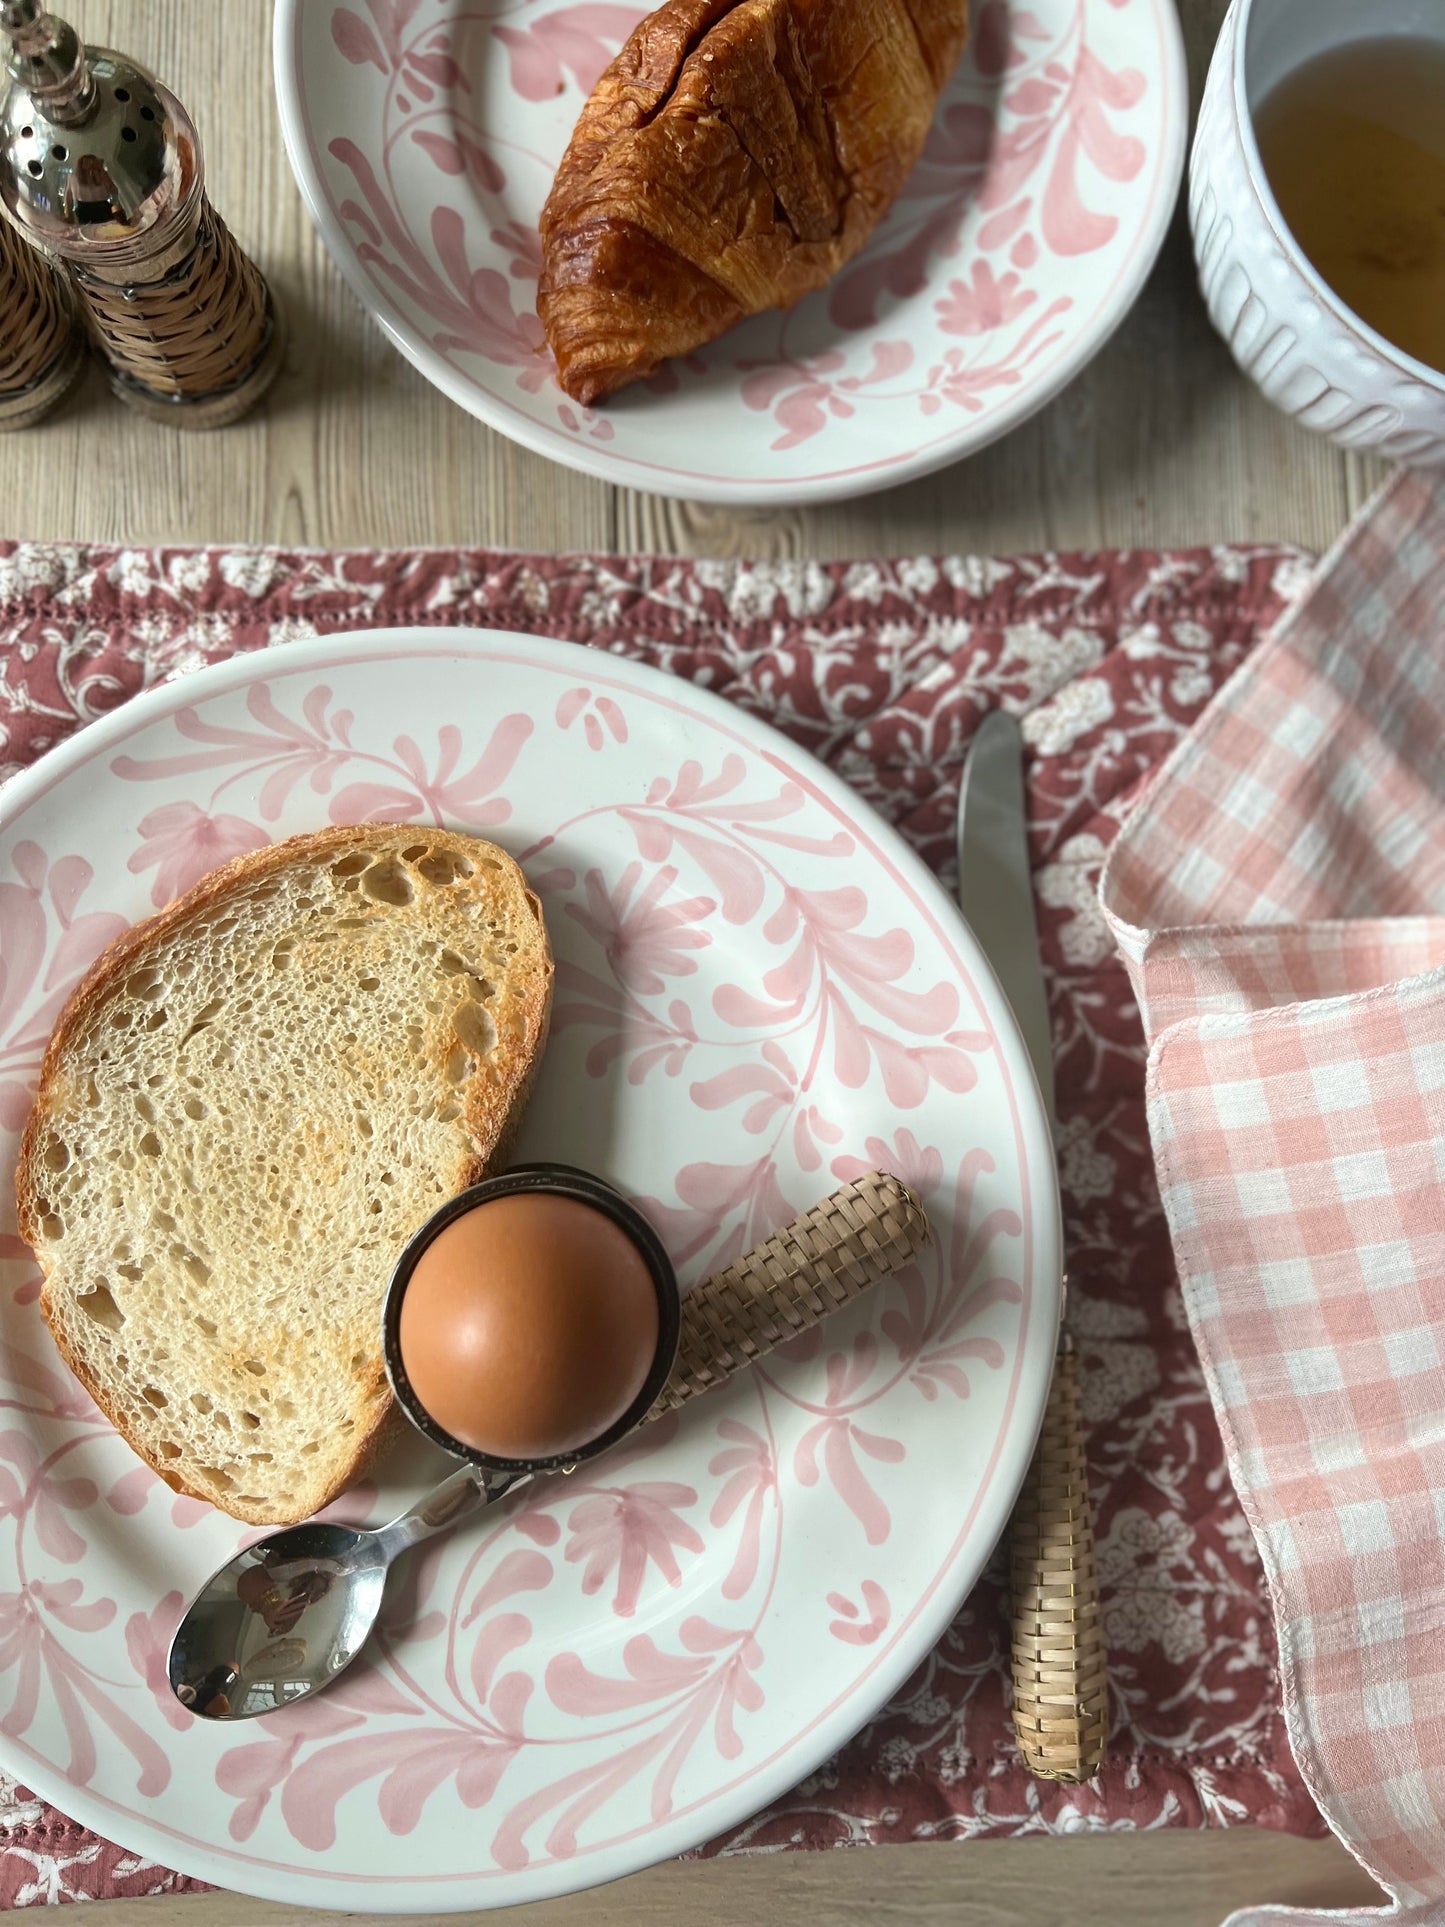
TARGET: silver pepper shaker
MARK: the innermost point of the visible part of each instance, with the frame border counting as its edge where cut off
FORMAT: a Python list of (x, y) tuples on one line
[(101, 168)]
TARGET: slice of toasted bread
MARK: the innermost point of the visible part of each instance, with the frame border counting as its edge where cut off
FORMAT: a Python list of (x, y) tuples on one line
[(247, 1108)]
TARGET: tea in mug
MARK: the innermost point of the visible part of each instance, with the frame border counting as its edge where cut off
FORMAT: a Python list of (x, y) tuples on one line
[(1353, 146)]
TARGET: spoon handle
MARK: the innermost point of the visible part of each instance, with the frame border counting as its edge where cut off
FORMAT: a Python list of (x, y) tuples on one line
[(862, 1233), (465, 1492)]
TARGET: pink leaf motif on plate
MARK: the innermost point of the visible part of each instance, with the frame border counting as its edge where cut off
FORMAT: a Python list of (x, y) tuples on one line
[(412, 1767), (355, 41), (963, 382), (726, 1209), (734, 873), (830, 956), (579, 1794), (442, 794), (933, 1339), (35, 1658), (47, 895), (849, 1626), (492, 327), (524, 245), (148, 1641), (839, 1440), (645, 938), (919, 1166), (802, 394), (181, 843), (1069, 227), (422, 67), (750, 1475), (313, 749), (42, 1390), (471, 309), (624, 1529), (25, 1289), (800, 398), (392, 18), (580, 41), (589, 422), (998, 155), (1001, 228), (983, 303), (457, 155), (496, 1641), (131, 1490), (35, 1492), (252, 1773), (890, 359), (652, 1675), (629, 1027), (519, 1571), (695, 816), (811, 1130), (772, 1085), (427, 72), (598, 713), (725, 1686)]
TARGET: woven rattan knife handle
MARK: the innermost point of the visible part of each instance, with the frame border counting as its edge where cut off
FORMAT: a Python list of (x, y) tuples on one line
[(1061, 1693), (859, 1235)]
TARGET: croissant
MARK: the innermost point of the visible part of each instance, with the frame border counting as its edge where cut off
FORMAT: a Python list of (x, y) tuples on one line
[(734, 155)]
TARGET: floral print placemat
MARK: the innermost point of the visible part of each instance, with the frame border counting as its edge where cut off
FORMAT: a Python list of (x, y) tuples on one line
[(882, 670)]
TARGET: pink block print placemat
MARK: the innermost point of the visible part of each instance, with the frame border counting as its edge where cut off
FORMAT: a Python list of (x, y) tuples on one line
[(882, 670)]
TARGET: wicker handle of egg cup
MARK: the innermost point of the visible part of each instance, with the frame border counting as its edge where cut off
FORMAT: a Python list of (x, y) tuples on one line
[(861, 1234), (1060, 1676)]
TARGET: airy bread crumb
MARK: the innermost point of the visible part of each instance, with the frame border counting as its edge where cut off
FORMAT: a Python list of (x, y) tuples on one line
[(245, 1111)]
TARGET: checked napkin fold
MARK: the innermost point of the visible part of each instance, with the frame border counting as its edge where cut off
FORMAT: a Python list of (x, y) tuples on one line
[(1279, 899)]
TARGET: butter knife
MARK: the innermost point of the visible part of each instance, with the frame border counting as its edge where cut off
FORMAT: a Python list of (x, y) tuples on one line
[(1059, 1663)]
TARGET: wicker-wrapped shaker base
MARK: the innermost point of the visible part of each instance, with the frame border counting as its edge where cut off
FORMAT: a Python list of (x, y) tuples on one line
[(862, 1233), (41, 350), (200, 346), (1060, 1675)]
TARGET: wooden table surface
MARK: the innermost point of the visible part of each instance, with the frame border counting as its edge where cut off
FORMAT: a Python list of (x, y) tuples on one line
[(1159, 443)]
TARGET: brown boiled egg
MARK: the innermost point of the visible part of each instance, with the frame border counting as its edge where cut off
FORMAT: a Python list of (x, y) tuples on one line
[(529, 1326)]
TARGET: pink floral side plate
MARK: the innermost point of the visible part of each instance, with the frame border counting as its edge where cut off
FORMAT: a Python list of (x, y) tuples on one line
[(760, 993), (425, 135)]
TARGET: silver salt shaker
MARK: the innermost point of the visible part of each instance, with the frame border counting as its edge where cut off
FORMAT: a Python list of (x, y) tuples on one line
[(101, 169)]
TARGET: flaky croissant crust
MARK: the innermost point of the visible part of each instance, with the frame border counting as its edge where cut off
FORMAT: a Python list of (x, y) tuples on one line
[(731, 159)]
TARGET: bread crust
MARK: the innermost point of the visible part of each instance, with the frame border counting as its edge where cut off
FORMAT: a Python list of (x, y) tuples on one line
[(490, 1134)]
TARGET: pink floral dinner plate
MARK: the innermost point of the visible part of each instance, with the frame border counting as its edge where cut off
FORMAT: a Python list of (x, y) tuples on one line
[(425, 135), (760, 992)]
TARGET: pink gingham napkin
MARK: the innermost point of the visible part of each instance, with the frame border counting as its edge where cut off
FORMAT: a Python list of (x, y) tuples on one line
[(1279, 899)]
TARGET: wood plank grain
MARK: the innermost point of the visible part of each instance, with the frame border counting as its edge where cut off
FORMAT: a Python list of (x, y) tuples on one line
[(1110, 1880), (1159, 442)]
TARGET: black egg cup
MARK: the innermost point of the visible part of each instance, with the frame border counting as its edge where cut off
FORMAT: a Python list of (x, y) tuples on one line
[(559, 1181)]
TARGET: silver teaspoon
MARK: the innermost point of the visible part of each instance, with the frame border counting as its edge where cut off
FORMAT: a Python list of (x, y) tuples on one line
[(284, 1617)]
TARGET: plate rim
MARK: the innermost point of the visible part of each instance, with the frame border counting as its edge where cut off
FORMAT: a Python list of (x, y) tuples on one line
[(592, 460), (334, 1888)]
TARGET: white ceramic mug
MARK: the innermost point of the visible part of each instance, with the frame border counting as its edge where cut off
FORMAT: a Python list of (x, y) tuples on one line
[(1288, 330)]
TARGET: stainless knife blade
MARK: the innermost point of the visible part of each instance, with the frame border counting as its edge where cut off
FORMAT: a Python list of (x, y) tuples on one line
[(995, 891)]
